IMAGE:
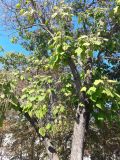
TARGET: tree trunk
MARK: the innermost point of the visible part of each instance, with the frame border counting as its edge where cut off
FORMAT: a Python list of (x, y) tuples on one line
[(82, 113), (79, 136)]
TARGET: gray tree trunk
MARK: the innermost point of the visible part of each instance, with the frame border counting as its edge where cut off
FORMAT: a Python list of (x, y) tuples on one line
[(78, 137), (82, 113)]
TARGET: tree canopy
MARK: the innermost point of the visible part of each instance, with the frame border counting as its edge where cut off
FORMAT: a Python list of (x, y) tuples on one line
[(70, 80)]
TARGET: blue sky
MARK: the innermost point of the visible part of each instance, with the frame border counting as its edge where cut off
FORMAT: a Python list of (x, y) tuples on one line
[(9, 47), (5, 36)]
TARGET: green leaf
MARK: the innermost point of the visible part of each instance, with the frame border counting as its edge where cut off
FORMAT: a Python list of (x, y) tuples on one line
[(22, 77), (97, 82), (108, 92), (39, 114), (98, 105), (42, 131), (81, 104), (118, 2), (65, 46), (83, 89), (91, 90), (79, 19), (18, 6), (112, 81), (62, 109), (31, 91), (32, 98), (97, 43), (101, 117), (24, 96), (118, 95), (67, 94), (48, 126), (84, 37), (14, 40), (26, 13), (116, 9), (86, 44), (54, 15), (27, 107), (44, 108), (2, 96), (55, 111), (78, 51), (41, 98), (22, 11)]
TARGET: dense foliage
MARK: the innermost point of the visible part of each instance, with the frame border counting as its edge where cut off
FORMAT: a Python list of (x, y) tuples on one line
[(71, 78)]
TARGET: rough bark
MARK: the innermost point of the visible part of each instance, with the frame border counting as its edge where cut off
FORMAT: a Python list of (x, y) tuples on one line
[(82, 113), (79, 136)]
